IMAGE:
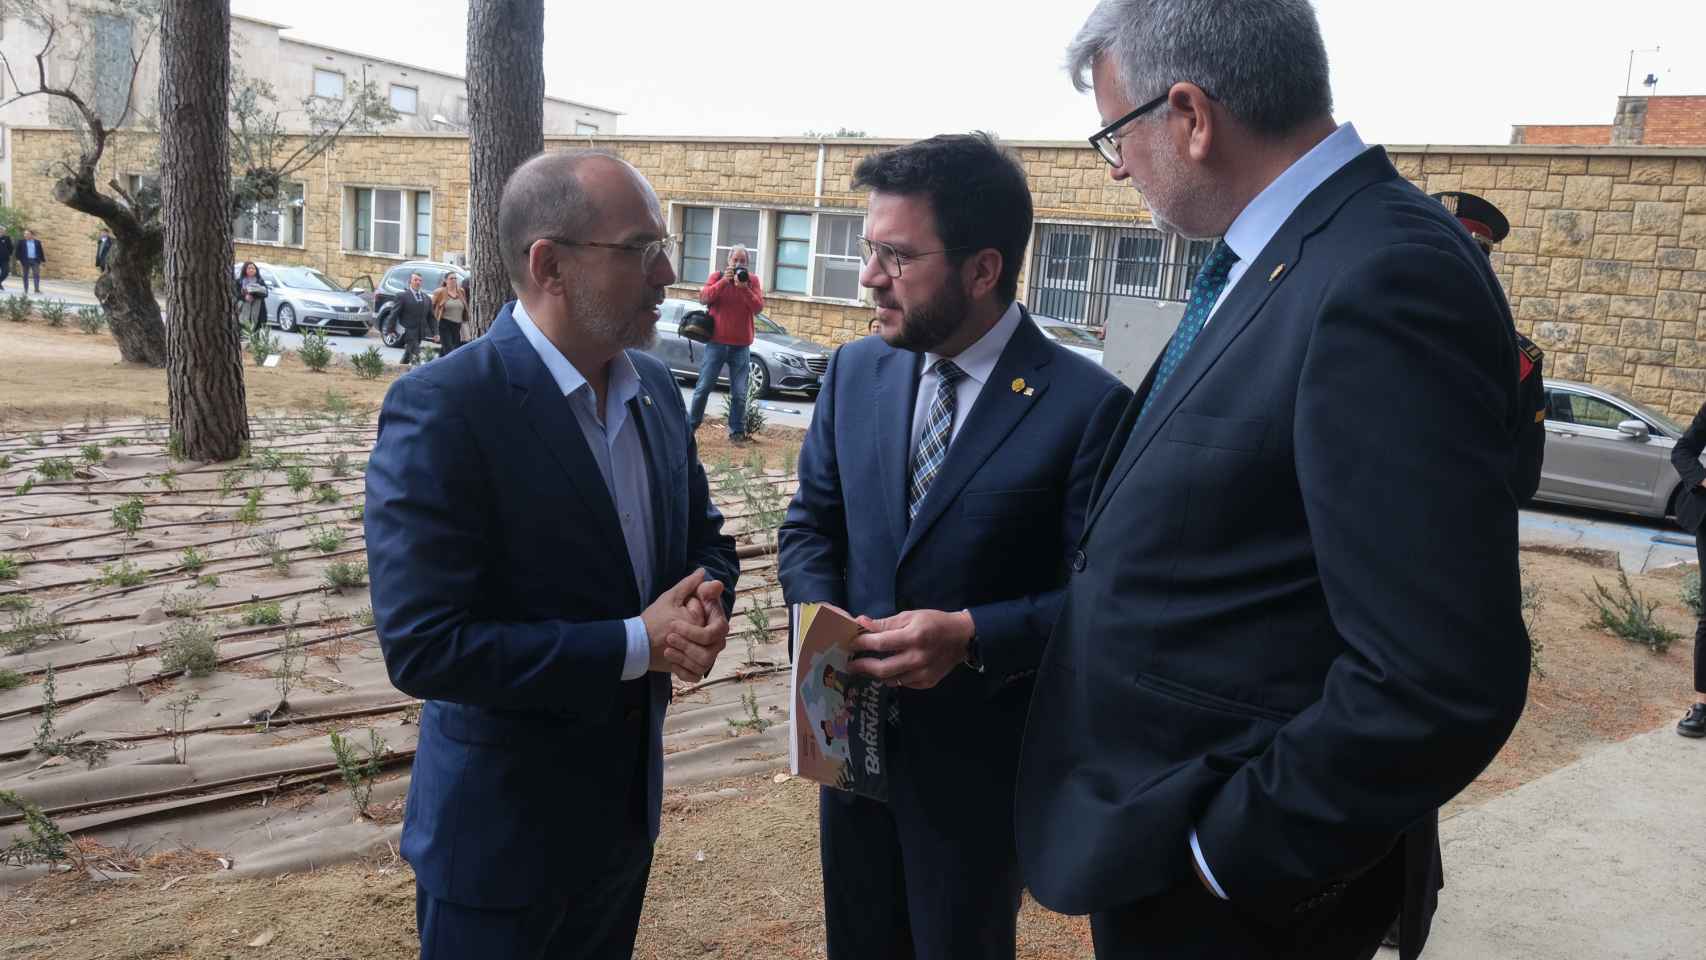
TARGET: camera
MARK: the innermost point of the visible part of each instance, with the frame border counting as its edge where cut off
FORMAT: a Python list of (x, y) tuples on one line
[(741, 274)]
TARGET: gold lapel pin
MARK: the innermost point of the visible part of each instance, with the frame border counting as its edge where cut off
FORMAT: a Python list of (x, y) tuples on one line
[(646, 399), (1277, 271), (1019, 385)]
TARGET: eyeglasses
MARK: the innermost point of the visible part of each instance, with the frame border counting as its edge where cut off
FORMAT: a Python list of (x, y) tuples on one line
[(1107, 140), (651, 252), (891, 260)]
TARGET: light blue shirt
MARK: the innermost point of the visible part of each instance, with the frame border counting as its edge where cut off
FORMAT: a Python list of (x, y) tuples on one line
[(1251, 233), (614, 439), (1256, 226)]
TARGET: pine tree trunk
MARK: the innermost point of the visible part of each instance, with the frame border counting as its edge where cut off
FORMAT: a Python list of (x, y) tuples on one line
[(204, 372), (506, 105)]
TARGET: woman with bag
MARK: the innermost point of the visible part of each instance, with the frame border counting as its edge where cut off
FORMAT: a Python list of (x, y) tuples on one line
[(251, 302), (449, 308)]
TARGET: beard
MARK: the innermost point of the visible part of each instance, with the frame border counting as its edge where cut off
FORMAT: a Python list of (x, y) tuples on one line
[(601, 321), (928, 325)]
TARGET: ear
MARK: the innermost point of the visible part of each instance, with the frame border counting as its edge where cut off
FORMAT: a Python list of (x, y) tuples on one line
[(982, 272), (545, 267), (1192, 119)]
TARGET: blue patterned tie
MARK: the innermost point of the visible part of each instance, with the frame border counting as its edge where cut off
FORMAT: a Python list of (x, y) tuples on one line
[(938, 430), (1205, 290)]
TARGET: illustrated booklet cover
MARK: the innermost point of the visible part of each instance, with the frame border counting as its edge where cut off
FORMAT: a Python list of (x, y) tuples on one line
[(838, 736)]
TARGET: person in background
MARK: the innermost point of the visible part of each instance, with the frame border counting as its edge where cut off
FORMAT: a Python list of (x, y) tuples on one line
[(411, 314), (5, 257), (251, 299), (103, 249), (1691, 514), (734, 297), (31, 255), (449, 308)]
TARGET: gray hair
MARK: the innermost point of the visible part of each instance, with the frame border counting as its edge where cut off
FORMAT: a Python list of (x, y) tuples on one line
[(1262, 59), (543, 197), (739, 248)]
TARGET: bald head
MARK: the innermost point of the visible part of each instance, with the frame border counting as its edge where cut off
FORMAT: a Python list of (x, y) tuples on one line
[(552, 195)]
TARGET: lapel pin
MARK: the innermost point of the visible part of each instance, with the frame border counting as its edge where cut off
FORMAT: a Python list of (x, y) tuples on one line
[(1277, 271), (1030, 391), (646, 399), (1019, 385)]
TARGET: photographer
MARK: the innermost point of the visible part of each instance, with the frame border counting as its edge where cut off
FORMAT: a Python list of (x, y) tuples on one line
[(733, 298)]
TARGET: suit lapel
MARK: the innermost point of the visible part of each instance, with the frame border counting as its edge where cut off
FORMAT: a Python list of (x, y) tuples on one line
[(1278, 262), (998, 410), (896, 384), (661, 457), (547, 411)]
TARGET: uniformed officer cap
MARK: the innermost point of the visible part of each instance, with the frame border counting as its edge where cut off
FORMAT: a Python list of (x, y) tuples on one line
[(1483, 220)]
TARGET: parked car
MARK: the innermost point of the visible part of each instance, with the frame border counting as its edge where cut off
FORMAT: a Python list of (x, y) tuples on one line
[(300, 297), (780, 361), (1606, 451), (396, 280), (1079, 339)]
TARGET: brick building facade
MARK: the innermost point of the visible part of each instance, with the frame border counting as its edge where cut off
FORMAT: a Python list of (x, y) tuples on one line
[(1605, 265), (1640, 122)]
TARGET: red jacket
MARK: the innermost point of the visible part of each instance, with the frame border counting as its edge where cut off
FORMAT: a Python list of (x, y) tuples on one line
[(733, 306)]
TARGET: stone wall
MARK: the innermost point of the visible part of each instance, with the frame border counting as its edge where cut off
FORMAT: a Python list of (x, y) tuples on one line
[(1605, 265)]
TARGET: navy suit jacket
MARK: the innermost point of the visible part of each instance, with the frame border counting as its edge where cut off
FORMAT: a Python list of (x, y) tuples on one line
[(992, 535), (500, 583), (1294, 619)]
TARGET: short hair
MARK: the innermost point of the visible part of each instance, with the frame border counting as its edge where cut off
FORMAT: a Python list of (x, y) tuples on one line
[(543, 197), (741, 247), (1262, 59), (976, 189)]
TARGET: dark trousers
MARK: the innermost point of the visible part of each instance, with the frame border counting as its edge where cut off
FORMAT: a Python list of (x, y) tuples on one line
[(411, 342), (1700, 627), (449, 337), (1190, 923), (919, 877), (598, 923), (5, 271), (32, 268)]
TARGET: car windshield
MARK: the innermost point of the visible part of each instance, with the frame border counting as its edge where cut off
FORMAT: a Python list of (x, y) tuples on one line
[(304, 278), (767, 325), (1073, 335)]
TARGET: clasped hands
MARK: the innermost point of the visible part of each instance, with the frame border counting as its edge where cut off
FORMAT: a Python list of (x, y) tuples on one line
[(915, 648), (687, 628)]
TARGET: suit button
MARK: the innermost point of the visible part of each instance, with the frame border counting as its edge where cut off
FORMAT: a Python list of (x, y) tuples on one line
[(1079, 562)]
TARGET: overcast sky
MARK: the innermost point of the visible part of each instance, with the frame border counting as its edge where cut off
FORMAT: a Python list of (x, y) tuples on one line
[(1462, 72)]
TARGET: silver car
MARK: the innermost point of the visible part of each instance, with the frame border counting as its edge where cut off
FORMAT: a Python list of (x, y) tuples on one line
[(304, 297), (1604, 450), (780, 361), (1072, 336)]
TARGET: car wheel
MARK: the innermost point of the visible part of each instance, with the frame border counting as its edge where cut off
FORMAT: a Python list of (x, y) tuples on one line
[(286, 318), (758, 378)]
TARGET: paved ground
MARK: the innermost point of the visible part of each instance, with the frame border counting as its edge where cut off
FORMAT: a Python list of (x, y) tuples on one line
[(1602, 860)]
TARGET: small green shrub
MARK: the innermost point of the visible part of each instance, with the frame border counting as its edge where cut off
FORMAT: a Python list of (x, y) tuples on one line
[(258, 614), (343, 575), (90, 320), (54, 468), (192, 559), (18, 308), (8, 567), (299, 479), (326, 493), (315, 354), (92, 453), (54, 311), (28, 630), (339, 466), (190, 646), (1691, 593), (249, 514), (122, 574), (358, 772), (10, 679), (327, 539), (369, 364), (1629, 615), (262, 344), (128, 516)]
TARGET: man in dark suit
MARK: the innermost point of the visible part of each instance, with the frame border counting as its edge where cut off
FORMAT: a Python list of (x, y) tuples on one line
[(412, 312), (103, 250), (544, 554), (1691, 515), (5, 258), (1292, 630), (942, 484), (31, 255)]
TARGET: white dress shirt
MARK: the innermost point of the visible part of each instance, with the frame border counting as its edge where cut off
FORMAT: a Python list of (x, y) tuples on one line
[(614, 440), (977, 362), (1250, 234)]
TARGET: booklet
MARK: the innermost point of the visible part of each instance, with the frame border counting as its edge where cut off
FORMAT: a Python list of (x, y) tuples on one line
[(838, 736)]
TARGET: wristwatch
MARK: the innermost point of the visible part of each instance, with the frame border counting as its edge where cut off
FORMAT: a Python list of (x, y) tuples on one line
[(974, 654)]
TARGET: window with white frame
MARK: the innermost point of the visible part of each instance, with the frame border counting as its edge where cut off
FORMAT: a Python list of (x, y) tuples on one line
[(328, 84), (736, 227), (838, 260), (696, 232), (387, 221), (793, 254), (583, 128), (405, 99), (280, 222)]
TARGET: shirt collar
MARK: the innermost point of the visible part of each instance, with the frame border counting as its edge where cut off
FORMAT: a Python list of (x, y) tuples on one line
[(978, 360), (1265, 215), (624, 378)]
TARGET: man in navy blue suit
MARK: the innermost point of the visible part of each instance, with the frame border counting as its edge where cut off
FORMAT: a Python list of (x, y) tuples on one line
[(942, 485), (544, 555), (1292, 630)]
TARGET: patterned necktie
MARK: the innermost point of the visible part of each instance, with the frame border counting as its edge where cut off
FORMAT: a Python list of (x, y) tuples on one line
[(938, 430), (1205, 290)]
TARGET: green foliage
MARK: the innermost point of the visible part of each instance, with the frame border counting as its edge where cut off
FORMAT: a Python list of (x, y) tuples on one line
[(122, 574), (28, 629), (18, 308), (118, 442), (270, 459), (358, 772), (128, 516), (299, 478), (42, 842), (364, 616), (91, 320), (25, 487), (262, 344), (16, 601), (55, 468), (175, 446), (326, 539), (229, 479), (182, 605), (54, 311), (326, 493), (343, 575), (249, 514), (192, 559), (259, 614), (339, 466), (92, 453), (178, 709), (207, 580), (274, 550), (752, 721), (1691, 593), (8, 567), (314, 352), (369, 364), (337, 405), (192, 647), (1629, 615), (10, 679), (49, 742), (1532, 601)]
